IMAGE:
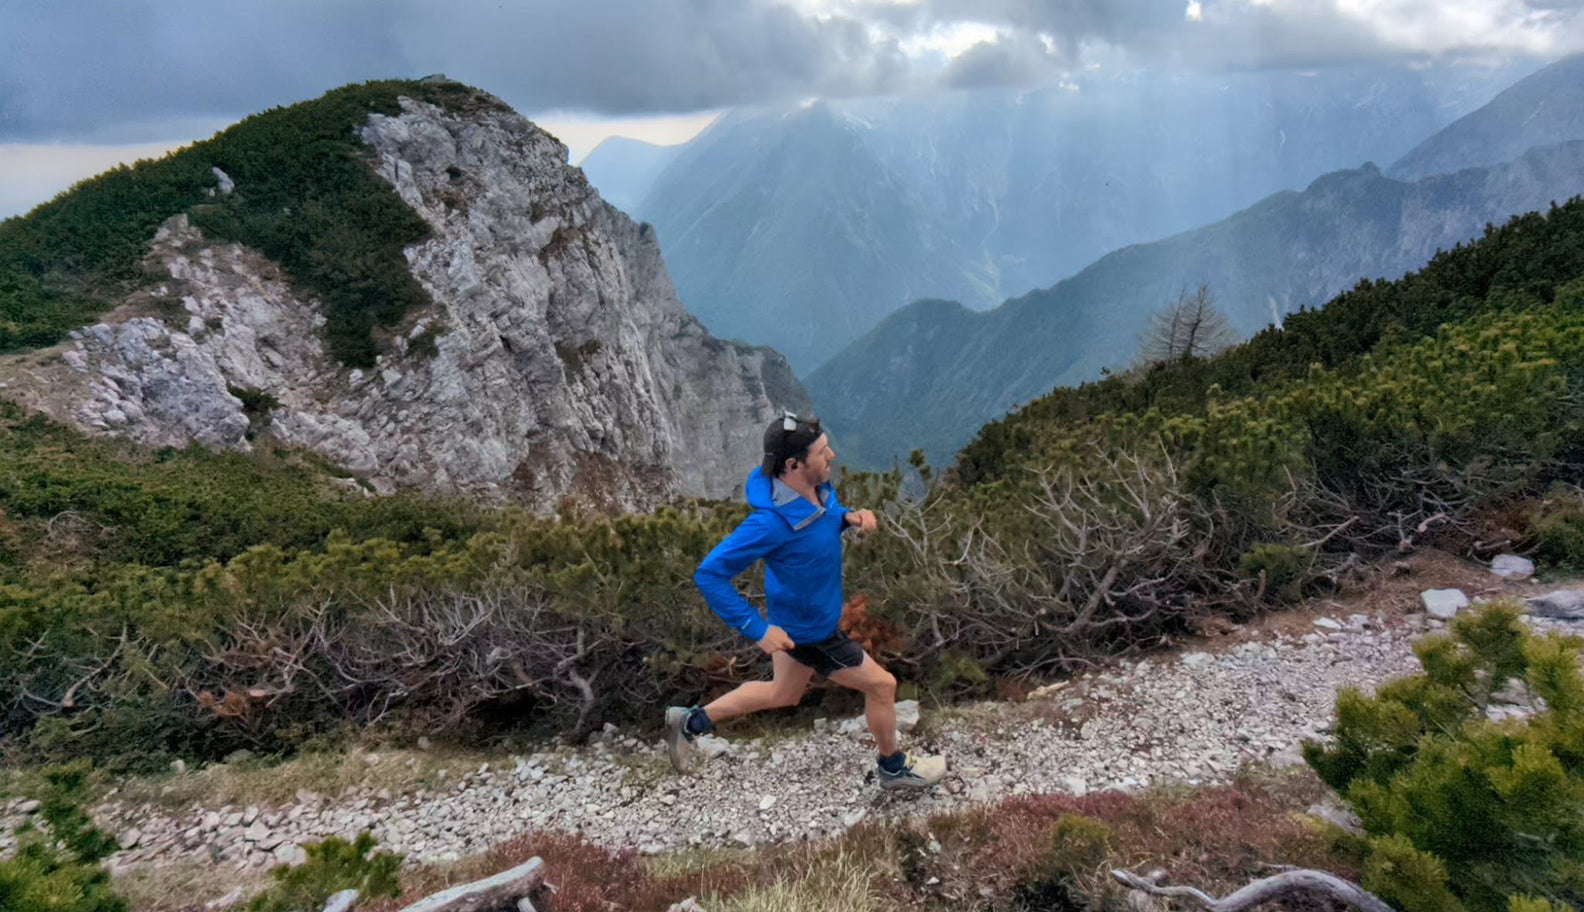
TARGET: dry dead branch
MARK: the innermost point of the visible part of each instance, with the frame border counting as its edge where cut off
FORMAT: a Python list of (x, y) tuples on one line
[(1289, 885), (1117, 555), (497, 892)]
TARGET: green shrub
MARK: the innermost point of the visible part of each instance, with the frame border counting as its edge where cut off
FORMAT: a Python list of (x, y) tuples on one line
[(1461, 812), (332, 866), (1285, 569), (189, 658), (1556, 524), (57, 868), (256, 405), (1079, 844), (67, 497), (426, 344), (1079, 847)]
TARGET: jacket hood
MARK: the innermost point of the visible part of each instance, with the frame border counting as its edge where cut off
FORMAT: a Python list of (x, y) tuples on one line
[(766, 493)]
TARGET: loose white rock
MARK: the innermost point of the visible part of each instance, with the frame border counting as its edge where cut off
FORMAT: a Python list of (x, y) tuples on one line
[(290, 853), (713, 746), (907, 715), (855, 727), (1444, 603), (1512, 567), (1563, 604)]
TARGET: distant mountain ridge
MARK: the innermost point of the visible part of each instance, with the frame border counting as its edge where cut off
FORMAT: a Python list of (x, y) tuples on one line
[(840, 213), (753, 231), (932, 374), (1540, 110), (627, 168)]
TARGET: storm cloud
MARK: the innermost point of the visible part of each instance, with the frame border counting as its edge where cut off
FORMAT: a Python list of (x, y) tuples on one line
[(123, 70), (136, 70)]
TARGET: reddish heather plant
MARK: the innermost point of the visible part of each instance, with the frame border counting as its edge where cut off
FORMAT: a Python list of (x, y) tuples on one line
[(991, 858), (580, 877), (1214, 838)]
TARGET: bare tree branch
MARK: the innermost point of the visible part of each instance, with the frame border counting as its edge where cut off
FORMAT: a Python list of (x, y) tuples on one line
[(1290, 885), (1188, 327)]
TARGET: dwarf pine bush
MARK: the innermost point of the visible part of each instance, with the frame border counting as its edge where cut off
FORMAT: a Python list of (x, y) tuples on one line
[(1461, 811), (333, 865), (56, 867)]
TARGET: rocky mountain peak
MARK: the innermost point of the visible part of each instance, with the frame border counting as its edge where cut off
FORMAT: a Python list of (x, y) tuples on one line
[(554, 361)]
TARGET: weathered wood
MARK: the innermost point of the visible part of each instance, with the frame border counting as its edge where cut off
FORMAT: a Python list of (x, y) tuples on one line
[(1288, 885), (486, 895)]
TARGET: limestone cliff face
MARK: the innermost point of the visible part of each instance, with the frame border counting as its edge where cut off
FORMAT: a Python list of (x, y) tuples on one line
[(557, 359)]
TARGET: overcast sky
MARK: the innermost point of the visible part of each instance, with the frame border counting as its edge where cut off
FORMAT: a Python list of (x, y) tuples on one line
[(85, 83)]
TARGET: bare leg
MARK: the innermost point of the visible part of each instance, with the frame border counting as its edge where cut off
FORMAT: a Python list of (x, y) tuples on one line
[(879, 690), (785, 688)]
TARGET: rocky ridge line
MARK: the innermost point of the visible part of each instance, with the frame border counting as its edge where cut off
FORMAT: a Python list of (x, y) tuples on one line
[(556, 359)]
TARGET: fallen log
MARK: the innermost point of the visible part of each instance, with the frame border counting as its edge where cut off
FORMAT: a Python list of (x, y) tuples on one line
[(1285, 886), (486, 895)]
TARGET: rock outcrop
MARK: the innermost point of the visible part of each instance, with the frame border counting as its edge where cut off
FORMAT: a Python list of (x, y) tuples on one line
[(556, 360)]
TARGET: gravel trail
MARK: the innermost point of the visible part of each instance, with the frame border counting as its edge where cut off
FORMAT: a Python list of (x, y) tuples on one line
[(1191, 718)]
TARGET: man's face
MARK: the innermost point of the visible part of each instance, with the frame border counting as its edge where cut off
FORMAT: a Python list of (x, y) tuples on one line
[(815, 469)]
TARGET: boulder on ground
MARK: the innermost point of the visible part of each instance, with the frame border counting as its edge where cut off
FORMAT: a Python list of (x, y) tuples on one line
[(1563, 604), (1444, 603), (1512, 567), (907, 712)]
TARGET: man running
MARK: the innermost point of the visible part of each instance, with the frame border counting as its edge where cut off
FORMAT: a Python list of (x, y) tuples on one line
[(796, 528)]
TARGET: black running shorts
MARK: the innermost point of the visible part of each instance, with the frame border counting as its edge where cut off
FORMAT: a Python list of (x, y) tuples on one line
[(829, 655)]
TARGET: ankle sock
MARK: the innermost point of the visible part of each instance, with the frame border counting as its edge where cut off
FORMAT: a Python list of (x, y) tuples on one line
[(698, 721), (894, 763)]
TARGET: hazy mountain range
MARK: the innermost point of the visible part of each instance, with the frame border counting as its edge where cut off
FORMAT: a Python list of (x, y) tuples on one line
[(1543, 109), (933, 373), (803, 227)]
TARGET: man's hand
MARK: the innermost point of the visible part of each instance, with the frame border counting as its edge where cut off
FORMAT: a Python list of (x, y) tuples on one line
[(776, 640), (863, 520)]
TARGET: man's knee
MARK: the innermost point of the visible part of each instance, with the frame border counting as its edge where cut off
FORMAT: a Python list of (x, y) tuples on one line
[(786, 697), (883, 686)]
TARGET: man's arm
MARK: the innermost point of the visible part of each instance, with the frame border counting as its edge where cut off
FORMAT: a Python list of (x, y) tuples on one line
[(754, 538), (862, 520)]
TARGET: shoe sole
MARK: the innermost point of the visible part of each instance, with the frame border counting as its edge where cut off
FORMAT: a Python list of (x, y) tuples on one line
[(677, 747), (910, 785)]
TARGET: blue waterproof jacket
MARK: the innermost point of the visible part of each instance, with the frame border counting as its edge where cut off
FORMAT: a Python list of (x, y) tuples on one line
[(801, 545)]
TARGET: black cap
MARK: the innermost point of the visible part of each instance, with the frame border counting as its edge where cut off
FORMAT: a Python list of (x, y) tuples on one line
[(781, 444)]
